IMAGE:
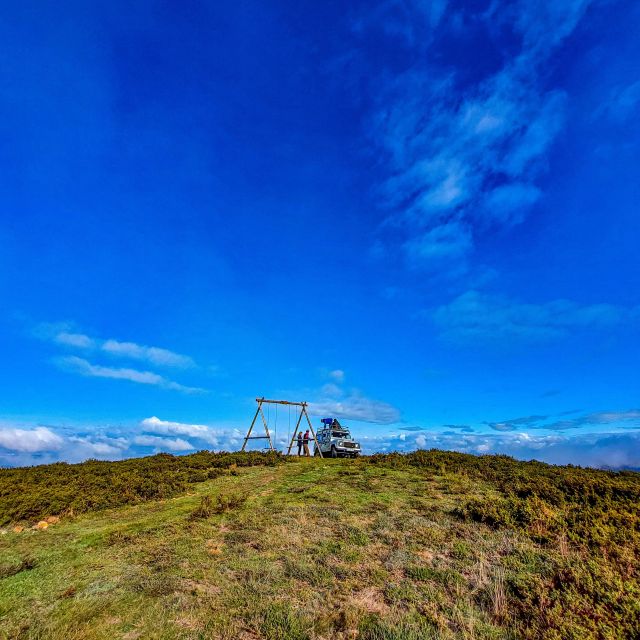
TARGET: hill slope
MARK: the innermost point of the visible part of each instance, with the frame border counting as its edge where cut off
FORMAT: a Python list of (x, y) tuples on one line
[(430, 545)]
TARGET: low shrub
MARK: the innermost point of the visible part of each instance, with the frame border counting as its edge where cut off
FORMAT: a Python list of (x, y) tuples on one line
[(13, 568), (203, 510), (32, 493)]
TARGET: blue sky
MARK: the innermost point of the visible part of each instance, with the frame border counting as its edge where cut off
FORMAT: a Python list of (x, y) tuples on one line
[(420, 217)]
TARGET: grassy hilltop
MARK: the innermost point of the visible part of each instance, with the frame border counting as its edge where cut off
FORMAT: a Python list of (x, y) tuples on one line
[(427, 545)]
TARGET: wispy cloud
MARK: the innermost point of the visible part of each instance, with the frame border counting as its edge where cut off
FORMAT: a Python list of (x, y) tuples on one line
[(515, 423), (623, 102), (83, 367), (153, 355), (480, 317), (334, 399), (465, 428), (632, 416), (409, 22), (464, 156), (66, 337), (547, 423), (356, 407), (449, 241), (607, 417), (77, 340), (62, 335)]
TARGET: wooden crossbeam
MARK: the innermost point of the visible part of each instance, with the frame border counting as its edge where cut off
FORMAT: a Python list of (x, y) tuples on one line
[(263, 400)]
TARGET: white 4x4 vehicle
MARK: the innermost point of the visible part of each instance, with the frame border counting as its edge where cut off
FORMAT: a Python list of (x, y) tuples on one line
[(335, 441)]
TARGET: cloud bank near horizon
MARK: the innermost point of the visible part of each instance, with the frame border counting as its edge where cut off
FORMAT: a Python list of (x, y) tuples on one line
[(23, 444)]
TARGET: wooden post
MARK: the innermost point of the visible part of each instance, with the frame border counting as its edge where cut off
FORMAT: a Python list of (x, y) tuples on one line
[(266, 428), (313, 433), (244, 444), (253, 422), (295, 431)]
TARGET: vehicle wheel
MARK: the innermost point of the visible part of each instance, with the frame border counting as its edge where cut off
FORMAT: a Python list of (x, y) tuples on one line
[(316, 452), (334, 453)]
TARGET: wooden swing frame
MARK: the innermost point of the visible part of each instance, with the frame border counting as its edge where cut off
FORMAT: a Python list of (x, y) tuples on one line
[(267, 436)]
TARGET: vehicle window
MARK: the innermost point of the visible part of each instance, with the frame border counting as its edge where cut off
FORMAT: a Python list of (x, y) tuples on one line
[(340, 434)]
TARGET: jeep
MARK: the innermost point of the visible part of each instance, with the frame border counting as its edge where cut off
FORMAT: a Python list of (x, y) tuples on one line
[(335, 441)]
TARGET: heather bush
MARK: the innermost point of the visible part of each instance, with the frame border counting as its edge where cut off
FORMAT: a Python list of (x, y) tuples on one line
[(31, 493)]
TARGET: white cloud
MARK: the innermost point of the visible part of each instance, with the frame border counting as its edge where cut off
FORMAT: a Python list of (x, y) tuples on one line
[(85, 368), (355, 407), (153, 355), (163, 444), (333, 401), (62, 334), (100, 446), (30, 440), (604, 450), (78, 340), (165, 427), (595, 450)]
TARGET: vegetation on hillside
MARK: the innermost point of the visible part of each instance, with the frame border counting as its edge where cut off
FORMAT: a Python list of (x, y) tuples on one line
[(31, 493), (587, 520), (391, 547)]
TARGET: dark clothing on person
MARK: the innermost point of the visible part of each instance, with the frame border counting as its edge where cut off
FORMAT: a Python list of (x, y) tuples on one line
[(300, 441), (306, 443)]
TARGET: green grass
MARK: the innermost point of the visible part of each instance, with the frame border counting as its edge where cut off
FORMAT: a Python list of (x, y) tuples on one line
[(384, 548)]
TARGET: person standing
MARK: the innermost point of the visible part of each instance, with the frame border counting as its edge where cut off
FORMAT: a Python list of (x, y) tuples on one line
[(300, 442), (305, 441)]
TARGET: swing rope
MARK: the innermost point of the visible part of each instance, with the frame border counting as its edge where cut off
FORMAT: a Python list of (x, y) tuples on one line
[(268, 417), (289, 427), (275, 430)]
